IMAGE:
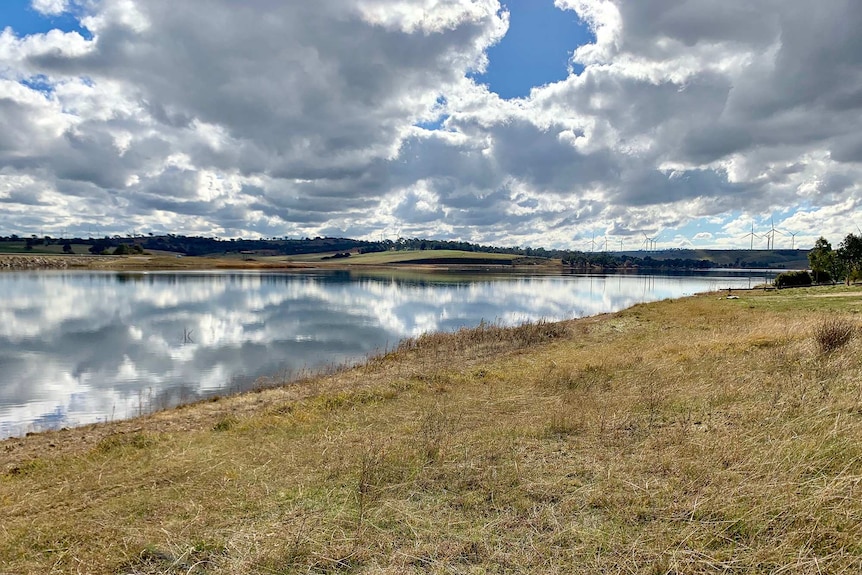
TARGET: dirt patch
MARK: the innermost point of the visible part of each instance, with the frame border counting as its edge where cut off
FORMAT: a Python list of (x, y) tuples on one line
[(42, 262)]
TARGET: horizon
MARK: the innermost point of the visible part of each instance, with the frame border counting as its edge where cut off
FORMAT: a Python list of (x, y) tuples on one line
[(118, 237)]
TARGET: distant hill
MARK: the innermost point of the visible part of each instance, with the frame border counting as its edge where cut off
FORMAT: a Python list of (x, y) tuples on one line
[(783, 259)]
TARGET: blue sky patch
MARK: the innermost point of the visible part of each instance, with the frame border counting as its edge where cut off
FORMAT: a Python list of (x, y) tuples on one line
[(40, 83), (434, 124), (24, 20), (437, 123), (536, 50)]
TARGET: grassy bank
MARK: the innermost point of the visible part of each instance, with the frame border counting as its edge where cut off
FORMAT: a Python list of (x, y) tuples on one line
[(420, 257), (703, 435)]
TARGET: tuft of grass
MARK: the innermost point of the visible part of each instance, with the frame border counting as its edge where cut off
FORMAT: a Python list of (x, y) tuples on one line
[(193, 559), (226, 423), (436, 427), (486, 338), (564, 421), (832, 333), (121, 441)]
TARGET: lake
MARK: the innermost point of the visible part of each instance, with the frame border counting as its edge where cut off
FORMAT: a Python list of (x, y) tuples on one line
[(81, 347)]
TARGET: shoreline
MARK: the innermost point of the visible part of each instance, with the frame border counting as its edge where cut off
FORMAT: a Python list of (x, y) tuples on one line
[(166, 263)]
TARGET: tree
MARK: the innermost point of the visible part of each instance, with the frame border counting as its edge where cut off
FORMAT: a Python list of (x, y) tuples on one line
[(792, 279), (850, 255), (822, 260), (128, 249), (67, 248), (101, 246)]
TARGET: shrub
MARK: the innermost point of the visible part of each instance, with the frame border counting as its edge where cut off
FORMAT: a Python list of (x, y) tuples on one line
[(790, 279), (822, 277), (832, 333), (337, 256)]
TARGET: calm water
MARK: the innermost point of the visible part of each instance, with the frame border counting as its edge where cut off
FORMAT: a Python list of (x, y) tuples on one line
[(82, 347)]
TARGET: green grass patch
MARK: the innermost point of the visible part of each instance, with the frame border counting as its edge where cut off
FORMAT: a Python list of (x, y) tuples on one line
[(406, 257)]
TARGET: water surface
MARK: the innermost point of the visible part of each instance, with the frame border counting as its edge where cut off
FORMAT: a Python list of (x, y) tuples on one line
[(80, 347)]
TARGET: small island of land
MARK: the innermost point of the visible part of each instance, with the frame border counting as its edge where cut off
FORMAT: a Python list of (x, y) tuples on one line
[(702, 435)]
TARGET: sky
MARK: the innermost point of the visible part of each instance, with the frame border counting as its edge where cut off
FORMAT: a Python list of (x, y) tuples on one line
[(544, 123)]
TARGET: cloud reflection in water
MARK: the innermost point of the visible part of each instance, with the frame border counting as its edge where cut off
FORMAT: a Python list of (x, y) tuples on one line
[(82, 347)]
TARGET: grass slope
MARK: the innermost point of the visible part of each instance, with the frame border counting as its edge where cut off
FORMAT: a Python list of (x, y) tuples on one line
[(450, 257), (703, 435), (21, 248)]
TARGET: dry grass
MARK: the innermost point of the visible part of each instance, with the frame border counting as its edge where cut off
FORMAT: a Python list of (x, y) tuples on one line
[(833, 333), (695, 436)]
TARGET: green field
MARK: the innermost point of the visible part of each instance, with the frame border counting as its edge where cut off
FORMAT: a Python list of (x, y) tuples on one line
[(445, 257), (21, 248)]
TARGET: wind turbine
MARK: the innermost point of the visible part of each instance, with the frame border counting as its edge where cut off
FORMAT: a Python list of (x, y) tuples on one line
[(770, 235), (752, 235), (646, 241), (792, 239)]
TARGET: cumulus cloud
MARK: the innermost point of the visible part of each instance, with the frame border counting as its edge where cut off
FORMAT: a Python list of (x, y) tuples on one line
[(355, 116), (50, 7), (720, 107)]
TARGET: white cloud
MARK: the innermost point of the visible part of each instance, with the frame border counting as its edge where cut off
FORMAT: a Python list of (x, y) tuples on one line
[(50, 7), (301, 118)]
